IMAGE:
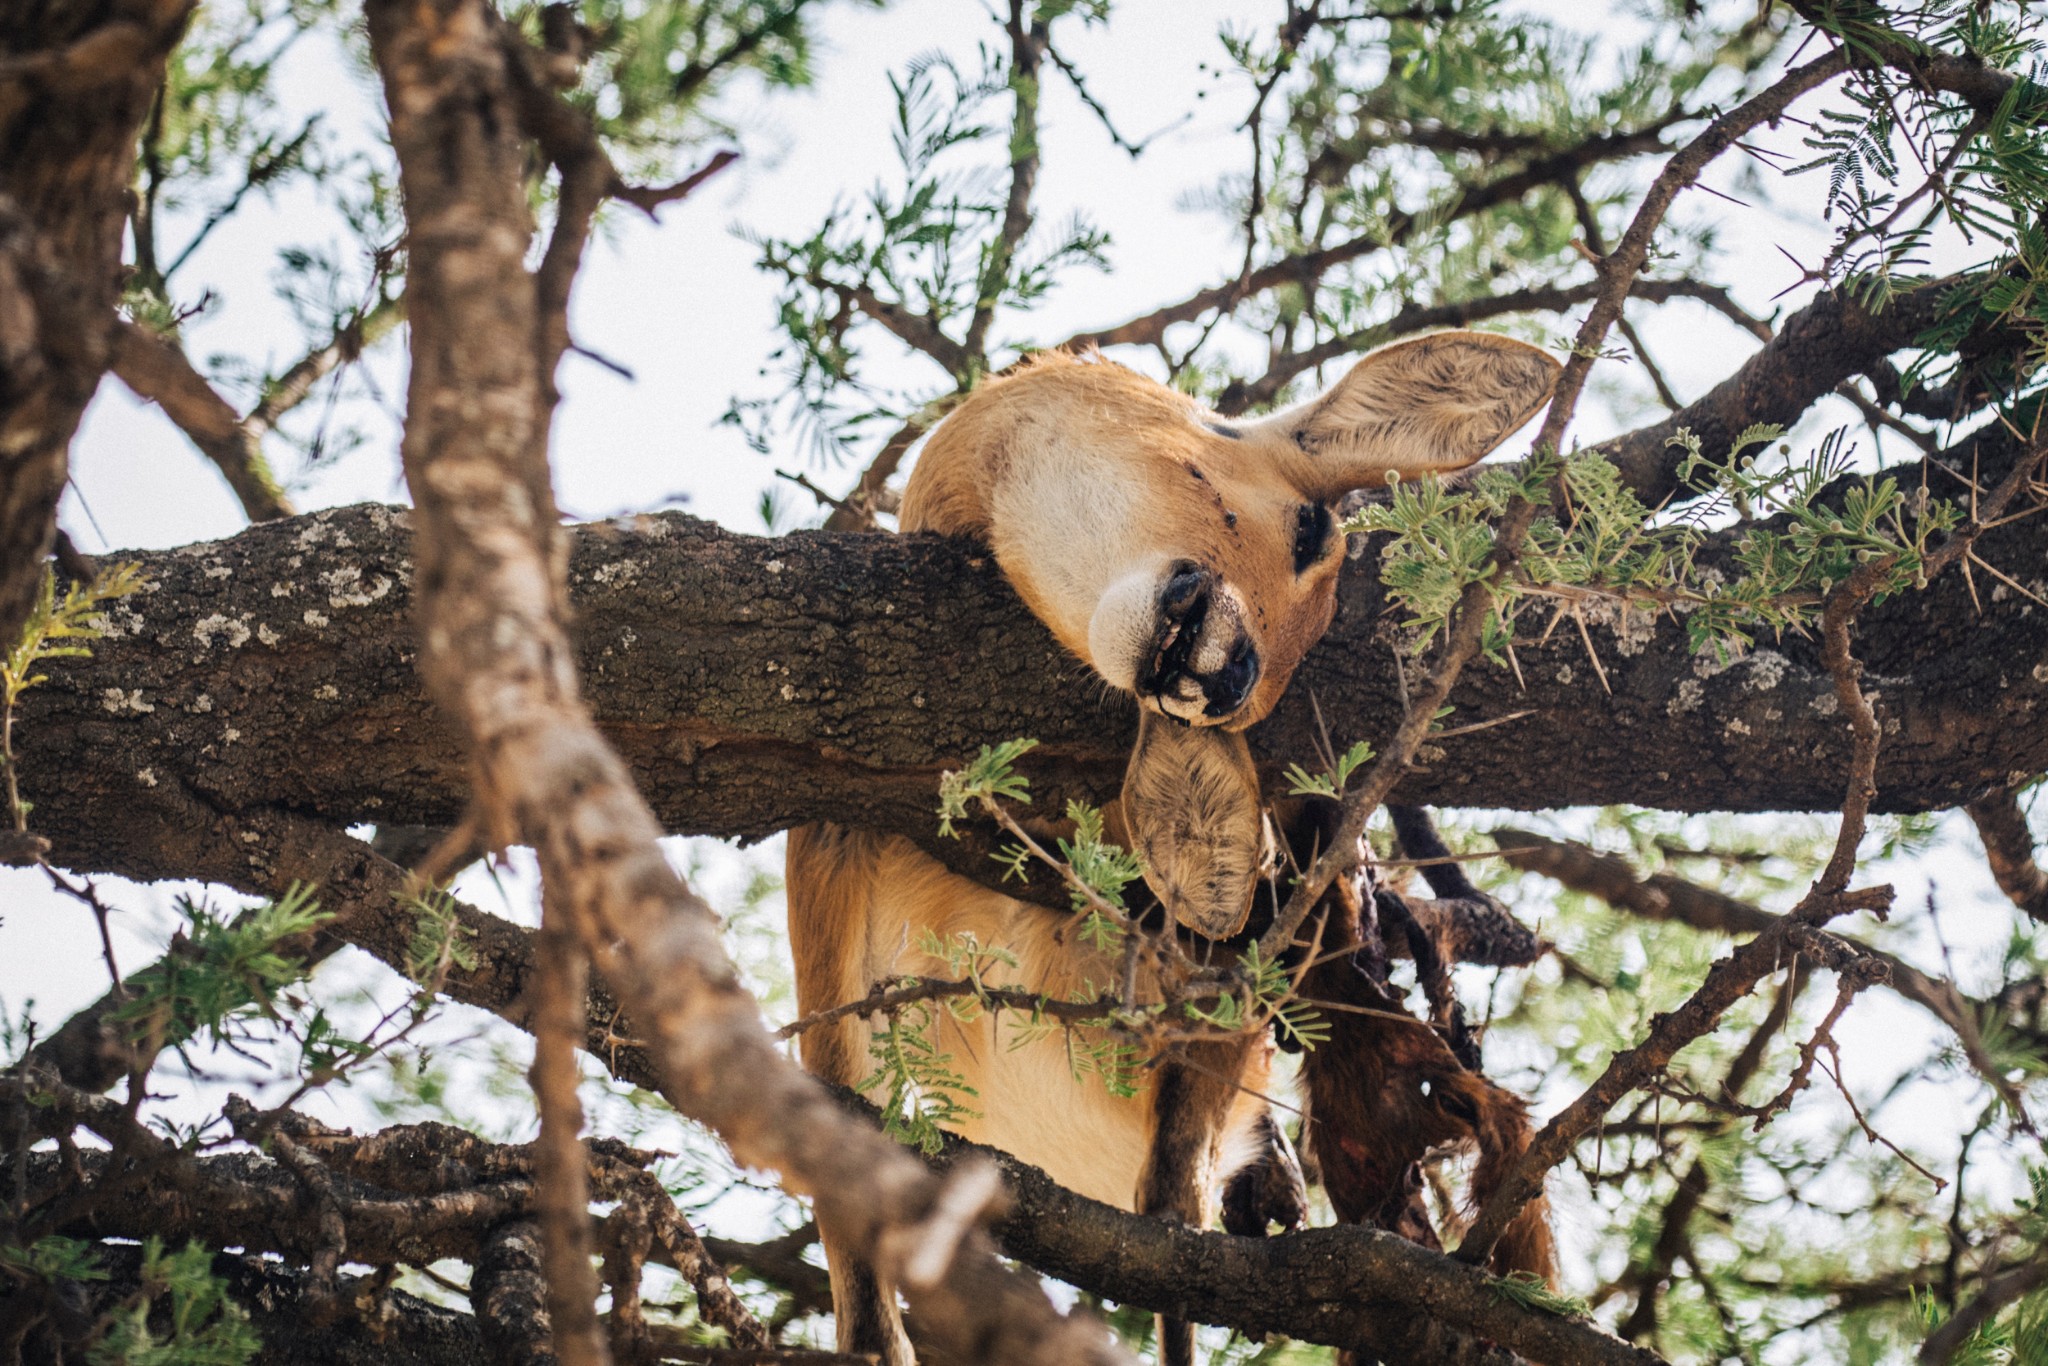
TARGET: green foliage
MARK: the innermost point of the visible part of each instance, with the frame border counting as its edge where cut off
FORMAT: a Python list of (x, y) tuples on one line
[(1104, 869), (54, 1258), (57, 628), (929, 247), (1302, 783), (991, 777), (2017, 1337), (1532, 1292), (202, 1326), (1296, 1020), (920, 1090), (1806, 525), (654, 70), (440, 941), (223, 972)]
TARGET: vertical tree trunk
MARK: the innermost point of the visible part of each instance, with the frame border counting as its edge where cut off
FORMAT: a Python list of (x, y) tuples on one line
[(76, 83)]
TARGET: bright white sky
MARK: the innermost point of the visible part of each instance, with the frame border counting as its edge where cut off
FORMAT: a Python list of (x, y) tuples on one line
[(680, 304)]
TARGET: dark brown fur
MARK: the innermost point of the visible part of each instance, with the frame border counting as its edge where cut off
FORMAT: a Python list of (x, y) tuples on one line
[(1383, 1093)]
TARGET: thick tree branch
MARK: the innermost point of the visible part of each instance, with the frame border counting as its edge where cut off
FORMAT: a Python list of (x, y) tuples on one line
[(415, 1193), (754, 684), (1347, 1285)]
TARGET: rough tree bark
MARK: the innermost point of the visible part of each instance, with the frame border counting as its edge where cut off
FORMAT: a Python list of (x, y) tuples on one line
[(496, 658), (751, 684), (76, 82)]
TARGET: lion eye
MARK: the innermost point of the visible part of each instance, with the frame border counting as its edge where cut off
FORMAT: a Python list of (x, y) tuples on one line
[(1312, 527)]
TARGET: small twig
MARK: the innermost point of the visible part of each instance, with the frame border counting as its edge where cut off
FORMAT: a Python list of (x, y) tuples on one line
[(1835, 1075), (648, 198)]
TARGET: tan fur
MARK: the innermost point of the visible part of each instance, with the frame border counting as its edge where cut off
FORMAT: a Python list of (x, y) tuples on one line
[(1096, 487), (1190, 808), (1074, 470)]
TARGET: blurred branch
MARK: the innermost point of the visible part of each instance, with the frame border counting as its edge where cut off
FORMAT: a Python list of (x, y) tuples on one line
[(496, 657), (76, 84), (561, 979), (268, 163), (157, 369), (780, 23), (1028, 43), (1945, 1342), (2009, 849)]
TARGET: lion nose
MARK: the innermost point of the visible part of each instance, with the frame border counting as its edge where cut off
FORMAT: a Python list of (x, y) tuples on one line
[(1227, 688)]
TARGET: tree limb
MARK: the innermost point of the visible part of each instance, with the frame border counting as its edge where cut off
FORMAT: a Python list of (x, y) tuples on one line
[(75, 85), (754, 684), (157, 369), (1309, 266), (1663, 896), (2009, 849), (496, 658), (1815, 350), (1239, 396)]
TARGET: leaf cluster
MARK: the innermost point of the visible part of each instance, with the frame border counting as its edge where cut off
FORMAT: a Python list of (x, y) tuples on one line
[(222, 973), (1803, 525)]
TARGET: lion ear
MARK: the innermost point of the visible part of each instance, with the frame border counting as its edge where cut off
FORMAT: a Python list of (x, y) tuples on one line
[(1191, 806)]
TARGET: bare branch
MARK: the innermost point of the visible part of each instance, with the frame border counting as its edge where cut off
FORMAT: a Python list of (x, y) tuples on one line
[(157, 369), (1028, 43), (1664, 896), (560, 983), (1239, 396), (358, 334), (1309, 266), (856, 511), (1815, 350), (1674, 1232)]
